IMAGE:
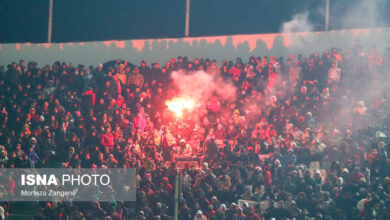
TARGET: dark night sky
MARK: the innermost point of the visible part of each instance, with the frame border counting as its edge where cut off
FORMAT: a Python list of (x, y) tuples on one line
[(93, 20)]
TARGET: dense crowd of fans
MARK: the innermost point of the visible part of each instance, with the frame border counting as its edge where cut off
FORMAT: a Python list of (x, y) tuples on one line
[(306, 137)]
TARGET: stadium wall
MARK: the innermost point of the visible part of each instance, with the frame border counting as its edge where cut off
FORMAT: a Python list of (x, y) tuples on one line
[(218, 47)]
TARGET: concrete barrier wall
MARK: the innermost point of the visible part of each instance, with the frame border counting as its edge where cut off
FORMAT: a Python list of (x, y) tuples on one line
[(218, 47)]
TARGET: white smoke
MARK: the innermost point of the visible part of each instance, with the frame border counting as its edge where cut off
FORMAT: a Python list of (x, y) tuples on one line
[(367, 13), (200, 86), (298, 23)]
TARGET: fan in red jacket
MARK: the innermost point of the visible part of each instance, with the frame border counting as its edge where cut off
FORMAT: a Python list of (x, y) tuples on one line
[(107, 139), (89, 97), (252, 215)]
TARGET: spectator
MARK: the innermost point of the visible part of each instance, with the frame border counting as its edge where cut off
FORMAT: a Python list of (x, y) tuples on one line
[(33, 157), (199, 216), (136, 80), (107, 140)]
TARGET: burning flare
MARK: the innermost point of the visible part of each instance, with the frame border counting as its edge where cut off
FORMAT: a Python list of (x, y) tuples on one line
[(178, 105)]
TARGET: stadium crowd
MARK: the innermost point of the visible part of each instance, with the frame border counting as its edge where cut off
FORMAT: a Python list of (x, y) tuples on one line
[(305, 137)]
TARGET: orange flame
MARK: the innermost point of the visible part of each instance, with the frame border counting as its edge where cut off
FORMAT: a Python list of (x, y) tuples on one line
[(178, 105)]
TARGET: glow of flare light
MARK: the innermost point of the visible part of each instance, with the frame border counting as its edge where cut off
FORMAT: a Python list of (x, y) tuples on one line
[(178, 105)]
